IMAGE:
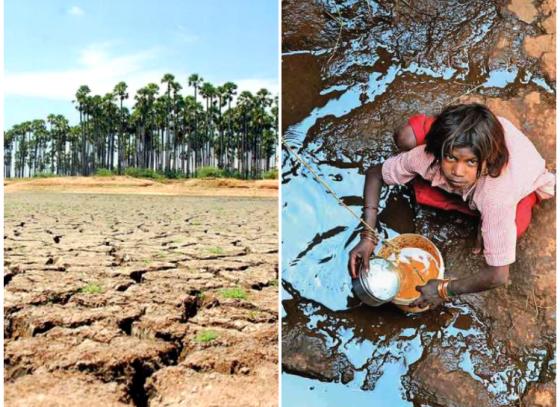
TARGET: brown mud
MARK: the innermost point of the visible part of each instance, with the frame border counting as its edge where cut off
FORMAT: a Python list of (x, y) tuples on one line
[(353, 71), (139, 300)]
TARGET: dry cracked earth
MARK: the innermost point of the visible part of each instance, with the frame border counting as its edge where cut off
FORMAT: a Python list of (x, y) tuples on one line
[(121, 300)]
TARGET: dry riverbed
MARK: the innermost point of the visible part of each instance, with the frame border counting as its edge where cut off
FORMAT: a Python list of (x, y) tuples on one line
[(145, 300)]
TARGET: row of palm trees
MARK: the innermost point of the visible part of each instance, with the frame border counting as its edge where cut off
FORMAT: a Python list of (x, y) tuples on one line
[(165, 131)]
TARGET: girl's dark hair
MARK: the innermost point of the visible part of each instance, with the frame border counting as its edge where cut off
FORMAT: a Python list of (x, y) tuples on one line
[(473, 126)]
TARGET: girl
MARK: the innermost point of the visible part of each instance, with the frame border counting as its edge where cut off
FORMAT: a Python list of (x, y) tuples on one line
[(465, 159)]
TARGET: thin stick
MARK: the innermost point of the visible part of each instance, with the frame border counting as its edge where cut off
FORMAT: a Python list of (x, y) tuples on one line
[(339, 34), (329, 190), (465, 94)]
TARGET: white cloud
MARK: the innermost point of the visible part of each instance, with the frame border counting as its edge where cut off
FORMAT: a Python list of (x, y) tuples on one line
[(76, 11), (100, 70)]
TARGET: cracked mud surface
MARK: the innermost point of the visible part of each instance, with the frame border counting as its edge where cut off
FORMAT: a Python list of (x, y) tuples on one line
[(139, 300)]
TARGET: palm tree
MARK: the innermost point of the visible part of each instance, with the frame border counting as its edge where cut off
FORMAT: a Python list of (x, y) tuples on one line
[(109, 120), (82, 100), (167, 79), (261, 118), (9, 141), (245, 104), (51, 120), (161, 132), (172, 96), (145, 99), (196, 82), (230, 90), (61, 131), (120, 91), (208, 92)]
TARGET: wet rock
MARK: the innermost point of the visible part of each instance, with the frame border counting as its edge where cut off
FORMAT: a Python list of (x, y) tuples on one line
[(540, 395), (304, 33), (305, 353), (367, 131), (436, 381), (301, 74)]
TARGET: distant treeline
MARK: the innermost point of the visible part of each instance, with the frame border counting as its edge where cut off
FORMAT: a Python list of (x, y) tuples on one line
[(167, 132)]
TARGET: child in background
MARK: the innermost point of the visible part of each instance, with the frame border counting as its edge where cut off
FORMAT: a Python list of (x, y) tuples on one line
[(469, 160)]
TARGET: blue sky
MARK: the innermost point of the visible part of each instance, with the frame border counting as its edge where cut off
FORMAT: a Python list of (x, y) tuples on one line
[(52, 47)]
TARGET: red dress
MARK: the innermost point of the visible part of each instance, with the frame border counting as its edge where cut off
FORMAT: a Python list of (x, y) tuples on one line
[(437, 198)]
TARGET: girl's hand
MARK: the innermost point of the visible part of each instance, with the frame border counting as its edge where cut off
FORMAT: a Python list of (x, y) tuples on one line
[(360, 255), (429, 297)]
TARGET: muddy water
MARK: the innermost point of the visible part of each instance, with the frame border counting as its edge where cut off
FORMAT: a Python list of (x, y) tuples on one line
[(354, 71)]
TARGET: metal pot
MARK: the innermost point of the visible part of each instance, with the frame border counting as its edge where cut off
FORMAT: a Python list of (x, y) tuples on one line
[(378, 286)]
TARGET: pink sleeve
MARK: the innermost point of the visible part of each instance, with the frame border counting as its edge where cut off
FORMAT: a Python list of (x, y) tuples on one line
[(402, 168), (499, 234)]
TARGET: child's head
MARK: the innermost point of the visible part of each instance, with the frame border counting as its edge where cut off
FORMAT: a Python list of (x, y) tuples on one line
[(467, 140)]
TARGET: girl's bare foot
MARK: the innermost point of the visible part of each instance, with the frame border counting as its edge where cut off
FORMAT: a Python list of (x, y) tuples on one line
[(477, 248)]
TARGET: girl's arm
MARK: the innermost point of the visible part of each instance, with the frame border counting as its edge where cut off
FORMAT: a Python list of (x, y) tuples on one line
[(360, 254), (490, 277)]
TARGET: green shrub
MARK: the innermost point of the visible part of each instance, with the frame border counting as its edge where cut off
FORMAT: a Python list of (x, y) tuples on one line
[(271, 174), (236, 293), (206, 336), (173, 174), (143, 173), (227, 173), (103, 172), (44, 174), (215, 250), (92, 288), (209, 172)]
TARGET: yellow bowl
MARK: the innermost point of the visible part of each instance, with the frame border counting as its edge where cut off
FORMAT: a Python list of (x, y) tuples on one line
[(416, 241)]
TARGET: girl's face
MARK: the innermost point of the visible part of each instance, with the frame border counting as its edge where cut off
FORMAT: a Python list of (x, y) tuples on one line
[(460, 167)]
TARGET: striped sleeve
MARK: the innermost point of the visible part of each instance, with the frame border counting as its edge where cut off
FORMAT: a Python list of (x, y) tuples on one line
[(403, 167), (499, 234)]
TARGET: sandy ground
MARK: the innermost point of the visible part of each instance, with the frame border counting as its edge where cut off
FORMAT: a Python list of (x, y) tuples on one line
[(129, 185), (142, 300)]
